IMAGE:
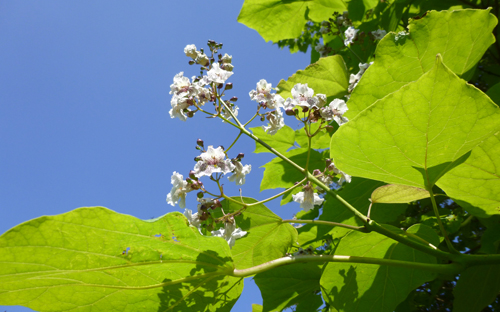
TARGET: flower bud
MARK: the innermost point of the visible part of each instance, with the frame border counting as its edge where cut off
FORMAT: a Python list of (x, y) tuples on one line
[(191, 62), (192, 176), (305, 109), (199, 195), (328, 162), (233, 99), (188, 180), (197, 158), (199, 142), (316, 172), (228, 67), (290, 112), (217, 204), (202, 59), (211, 42), (226, 59), (228, 86), (219, 86), (262, 118), (240, 156), (190, 114)]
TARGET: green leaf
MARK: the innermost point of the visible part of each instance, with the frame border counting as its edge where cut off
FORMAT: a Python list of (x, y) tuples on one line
[(357, 193), (285, 286), (415, 135), (277, 20), (256, 307), (393, 193), (358, 8), (308, 233), (461, 37), (490, 241), (268, 237), (279, 173), (475, 184), (319, 141), (494, 93), (356, 287), (94, 257), (328, 76), (281, 141), (476, 288)]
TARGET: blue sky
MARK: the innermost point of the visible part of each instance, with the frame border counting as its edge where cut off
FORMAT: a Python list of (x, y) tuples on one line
[(84, 101)]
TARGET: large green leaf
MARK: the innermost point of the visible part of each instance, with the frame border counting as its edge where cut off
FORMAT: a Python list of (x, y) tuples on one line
[(94, 258), (475, 184), (393, 193), (277, 20), (494, 93), (268, 237), (281, 141), (476, 288), (328, 76), (358, 8), (461, 37), (285, 286), (279, 173), (355, 287), (415, 135)]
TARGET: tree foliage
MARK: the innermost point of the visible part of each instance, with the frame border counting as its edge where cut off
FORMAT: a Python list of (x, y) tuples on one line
[(416, 229)]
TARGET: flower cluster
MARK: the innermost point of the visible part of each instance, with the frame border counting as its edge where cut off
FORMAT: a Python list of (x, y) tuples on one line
[(230, 232), (307, 198)]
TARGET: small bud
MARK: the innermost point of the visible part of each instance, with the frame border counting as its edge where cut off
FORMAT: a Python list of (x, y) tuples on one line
[(199, 195), (198, 148), (290, 112), (217, 204), (233, 99), (228, 86), (199, 142), (188, 180), (262, 118), (329, 128), (219, 86), (240, 156), (197, 158), (191, 62), (316, 172), (228, 67), (219, 56), (305, 109), (192, 176), (211, 42), (190, 114), (328, 162)]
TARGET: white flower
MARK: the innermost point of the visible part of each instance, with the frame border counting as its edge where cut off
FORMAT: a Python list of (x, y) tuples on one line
[(307, 199), (344, 176), (193, 219), (179, 190), (226, 59), (262, 92), (228, 67), (379, 34), (400, 35), (190, 51), (335, 110), (276, 122), (354, 79), (201, 58), (181, 84), (218, 75), (321, 99), (212, 161), (179, 104), (303, 95), (319, 47), (239, 173), (276, 102), (230, 233), (350, 35)]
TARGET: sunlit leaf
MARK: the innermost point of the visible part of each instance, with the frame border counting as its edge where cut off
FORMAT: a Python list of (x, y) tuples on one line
[(394, 193), (461, 37), (114, 262), (356, 287), (277, 20), (415, 135), (281, 141), (328, 76), (267, 238)]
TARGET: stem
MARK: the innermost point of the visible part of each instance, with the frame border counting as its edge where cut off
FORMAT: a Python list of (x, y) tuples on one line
[(440, 223), (308, 148), (374, 226), (453, 268), (329, 223), (230, 112), (278, 195), (467, 221), (256, 114), (235, 140)]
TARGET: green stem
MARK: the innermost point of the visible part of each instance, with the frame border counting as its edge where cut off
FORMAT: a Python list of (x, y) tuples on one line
[(256, 114), (440, 223), (436, 268), (277, 195), (329, 223), (235, 140), (374, 226), (467, 221), (308, 147)]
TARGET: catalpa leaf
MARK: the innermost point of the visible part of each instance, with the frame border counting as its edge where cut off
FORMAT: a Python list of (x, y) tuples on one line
[(394, 193), (356, 287), (462, 37), (95, 257), (267, 238), (277, 20), (295, 284), (415, 135), (281, 141), (476, 288), (328, 76), (475, 184)]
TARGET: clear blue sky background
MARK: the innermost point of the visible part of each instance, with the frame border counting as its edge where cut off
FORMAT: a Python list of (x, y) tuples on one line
[(84, 105)]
